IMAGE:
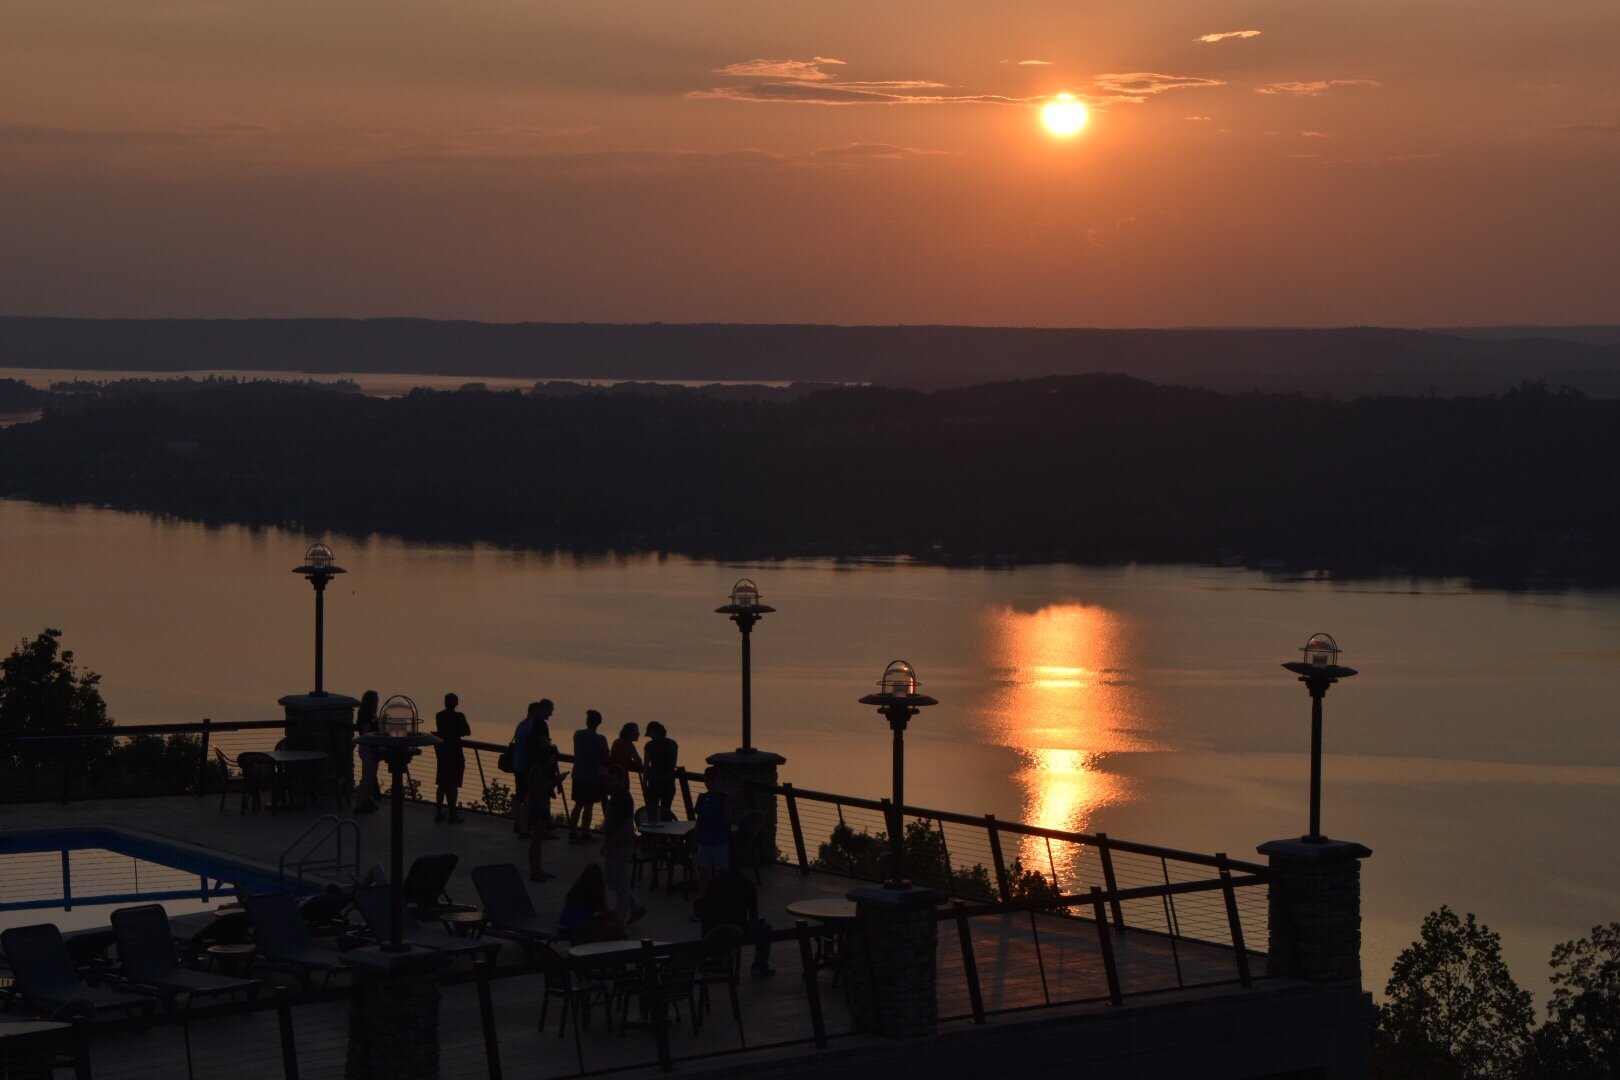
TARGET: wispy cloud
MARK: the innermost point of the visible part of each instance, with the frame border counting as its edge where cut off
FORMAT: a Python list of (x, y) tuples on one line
[(797, 70), (1316, 135), (1227, 35), (858, 152), (1313, 88), (1137, 86), (1200, 118), (1034, 63)]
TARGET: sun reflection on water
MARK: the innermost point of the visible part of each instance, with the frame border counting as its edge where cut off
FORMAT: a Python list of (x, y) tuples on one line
[(1065, 702)]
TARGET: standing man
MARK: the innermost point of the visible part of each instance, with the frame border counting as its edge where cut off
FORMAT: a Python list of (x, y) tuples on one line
[(451, 729), (619, 842), (538, 710), (590, 755), (660, 762), (713, 830)]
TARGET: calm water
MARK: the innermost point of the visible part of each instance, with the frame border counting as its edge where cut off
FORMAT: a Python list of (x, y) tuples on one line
[(1476, 754)]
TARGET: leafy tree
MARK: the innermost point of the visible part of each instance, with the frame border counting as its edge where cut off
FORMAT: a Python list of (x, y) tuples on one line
[(1453, 1009), (42, 690), (1581, 1039)]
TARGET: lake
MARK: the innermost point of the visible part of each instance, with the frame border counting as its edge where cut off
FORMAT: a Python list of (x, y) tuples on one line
[(1476, 753)]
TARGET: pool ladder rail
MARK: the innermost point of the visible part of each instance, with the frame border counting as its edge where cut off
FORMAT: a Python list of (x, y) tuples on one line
[(326, 829)]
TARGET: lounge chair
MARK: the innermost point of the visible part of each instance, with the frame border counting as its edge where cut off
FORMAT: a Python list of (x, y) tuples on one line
[(284, 941), (147, 960), (46, 979), (508, 911), (376, 909), (426, 882)]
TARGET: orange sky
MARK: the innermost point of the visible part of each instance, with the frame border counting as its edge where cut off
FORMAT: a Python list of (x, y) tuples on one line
[(1410, 162)]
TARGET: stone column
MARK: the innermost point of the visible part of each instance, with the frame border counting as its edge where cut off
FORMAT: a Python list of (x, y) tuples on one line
[(893, 984), (394, 1014), (1314, 917), (748, 778), (323, 722)]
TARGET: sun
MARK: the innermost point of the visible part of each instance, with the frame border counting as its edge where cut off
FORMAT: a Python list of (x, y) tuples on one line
[(1064, 116)]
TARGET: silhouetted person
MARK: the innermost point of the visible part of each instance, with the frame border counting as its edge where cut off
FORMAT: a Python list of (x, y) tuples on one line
[(619, 843), (624, 753), (659, 763), (585, 900), (732, 899), (365, 723), (590, 755), (713, 830), (542, 760), (540, 710), (451, 727)]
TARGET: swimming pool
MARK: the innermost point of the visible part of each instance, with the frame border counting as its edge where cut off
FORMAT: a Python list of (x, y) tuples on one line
[(76, 876)]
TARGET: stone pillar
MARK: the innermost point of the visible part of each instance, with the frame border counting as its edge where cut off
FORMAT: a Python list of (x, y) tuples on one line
[(748, 778), (394, 1014), (893, 984), (323, 722), (1314, 917)]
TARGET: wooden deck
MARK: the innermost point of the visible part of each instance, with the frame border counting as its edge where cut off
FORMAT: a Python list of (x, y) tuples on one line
[(1068, 969)]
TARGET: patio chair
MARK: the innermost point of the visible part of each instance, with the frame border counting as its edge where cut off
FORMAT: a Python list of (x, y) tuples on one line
[(46, 980), (147, 959), (508, 911), (425, 885), (375, 904), (668, 985), (259, 775), (231, 779), (284, 941), (326, 914), (576, 993), (652, 851), (721, 965)]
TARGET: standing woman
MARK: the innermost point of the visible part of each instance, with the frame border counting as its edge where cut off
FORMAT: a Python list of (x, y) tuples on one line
[(452, 728), (625, 755), (542, 778), (365, 723), (660, 761)]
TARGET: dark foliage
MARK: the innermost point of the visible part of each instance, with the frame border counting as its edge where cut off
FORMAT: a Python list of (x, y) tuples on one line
[(1090, 468), (41, 690)]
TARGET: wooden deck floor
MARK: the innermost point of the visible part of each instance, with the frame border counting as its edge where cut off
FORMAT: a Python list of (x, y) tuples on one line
[(1068, 967)]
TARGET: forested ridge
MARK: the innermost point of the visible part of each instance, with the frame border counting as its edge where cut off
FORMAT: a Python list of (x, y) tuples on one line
[(1086, 468)]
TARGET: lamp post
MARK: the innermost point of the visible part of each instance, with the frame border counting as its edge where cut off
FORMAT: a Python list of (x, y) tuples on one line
[(746, 610), (898, 701), (399, 737), (320, 566), (1319, 670)]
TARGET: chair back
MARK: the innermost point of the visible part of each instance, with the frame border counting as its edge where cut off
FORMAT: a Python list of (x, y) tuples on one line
[(225, 760), (722, 951), (278, 928), (503, 894), (257, 768), (39, 962), (553, 968), (376, 904), (426, 880), (145, 946)]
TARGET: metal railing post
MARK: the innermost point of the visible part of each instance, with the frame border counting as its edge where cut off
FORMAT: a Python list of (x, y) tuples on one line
[(1109, 881), (1236, 923), (798, 829), (202, 759), (970, 966), (1106, 942), (1003, 887)]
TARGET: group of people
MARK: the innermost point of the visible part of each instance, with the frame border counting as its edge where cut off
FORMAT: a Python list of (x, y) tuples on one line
[(601, 774)]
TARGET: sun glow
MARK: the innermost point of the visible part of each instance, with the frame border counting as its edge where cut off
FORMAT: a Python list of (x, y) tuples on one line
[(1064, 116)]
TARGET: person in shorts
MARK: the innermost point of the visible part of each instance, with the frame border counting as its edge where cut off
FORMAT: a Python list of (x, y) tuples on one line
[(713, 831), (542, 780), (590, 756)]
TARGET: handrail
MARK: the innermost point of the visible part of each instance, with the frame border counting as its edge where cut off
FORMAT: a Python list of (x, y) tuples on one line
[(133, 730), (334, 830)]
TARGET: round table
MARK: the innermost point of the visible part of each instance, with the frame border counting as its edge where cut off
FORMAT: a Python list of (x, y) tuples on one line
[(597, 949), (231, 909), (228, 957), (467, 924), (830, 910), (672, 829)]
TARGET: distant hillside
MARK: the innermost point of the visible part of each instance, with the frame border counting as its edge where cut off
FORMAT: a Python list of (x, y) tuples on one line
[(1344, 362), (1090, 468)]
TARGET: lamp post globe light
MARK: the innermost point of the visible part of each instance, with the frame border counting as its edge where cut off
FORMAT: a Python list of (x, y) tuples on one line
[(746, 610), (898, 701), (1318, 670), (320, 567), (399, 737)]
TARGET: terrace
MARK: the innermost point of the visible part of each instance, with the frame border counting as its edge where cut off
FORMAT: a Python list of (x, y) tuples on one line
[(1045, 934)]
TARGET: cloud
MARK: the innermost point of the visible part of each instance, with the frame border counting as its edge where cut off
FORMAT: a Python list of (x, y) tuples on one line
[(1316, 135), (1312, 89), (1034, 63), (1137, 86), (1225, 35), (856, 152), (797, 70), (1200, 118)]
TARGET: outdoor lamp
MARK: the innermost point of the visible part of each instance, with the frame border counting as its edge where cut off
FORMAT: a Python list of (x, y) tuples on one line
[(399, 737), (1318, 670), (898, 701), (746, 610), (320, 566)]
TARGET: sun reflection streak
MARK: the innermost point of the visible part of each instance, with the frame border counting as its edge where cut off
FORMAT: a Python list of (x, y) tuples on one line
[(1065, 703)]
